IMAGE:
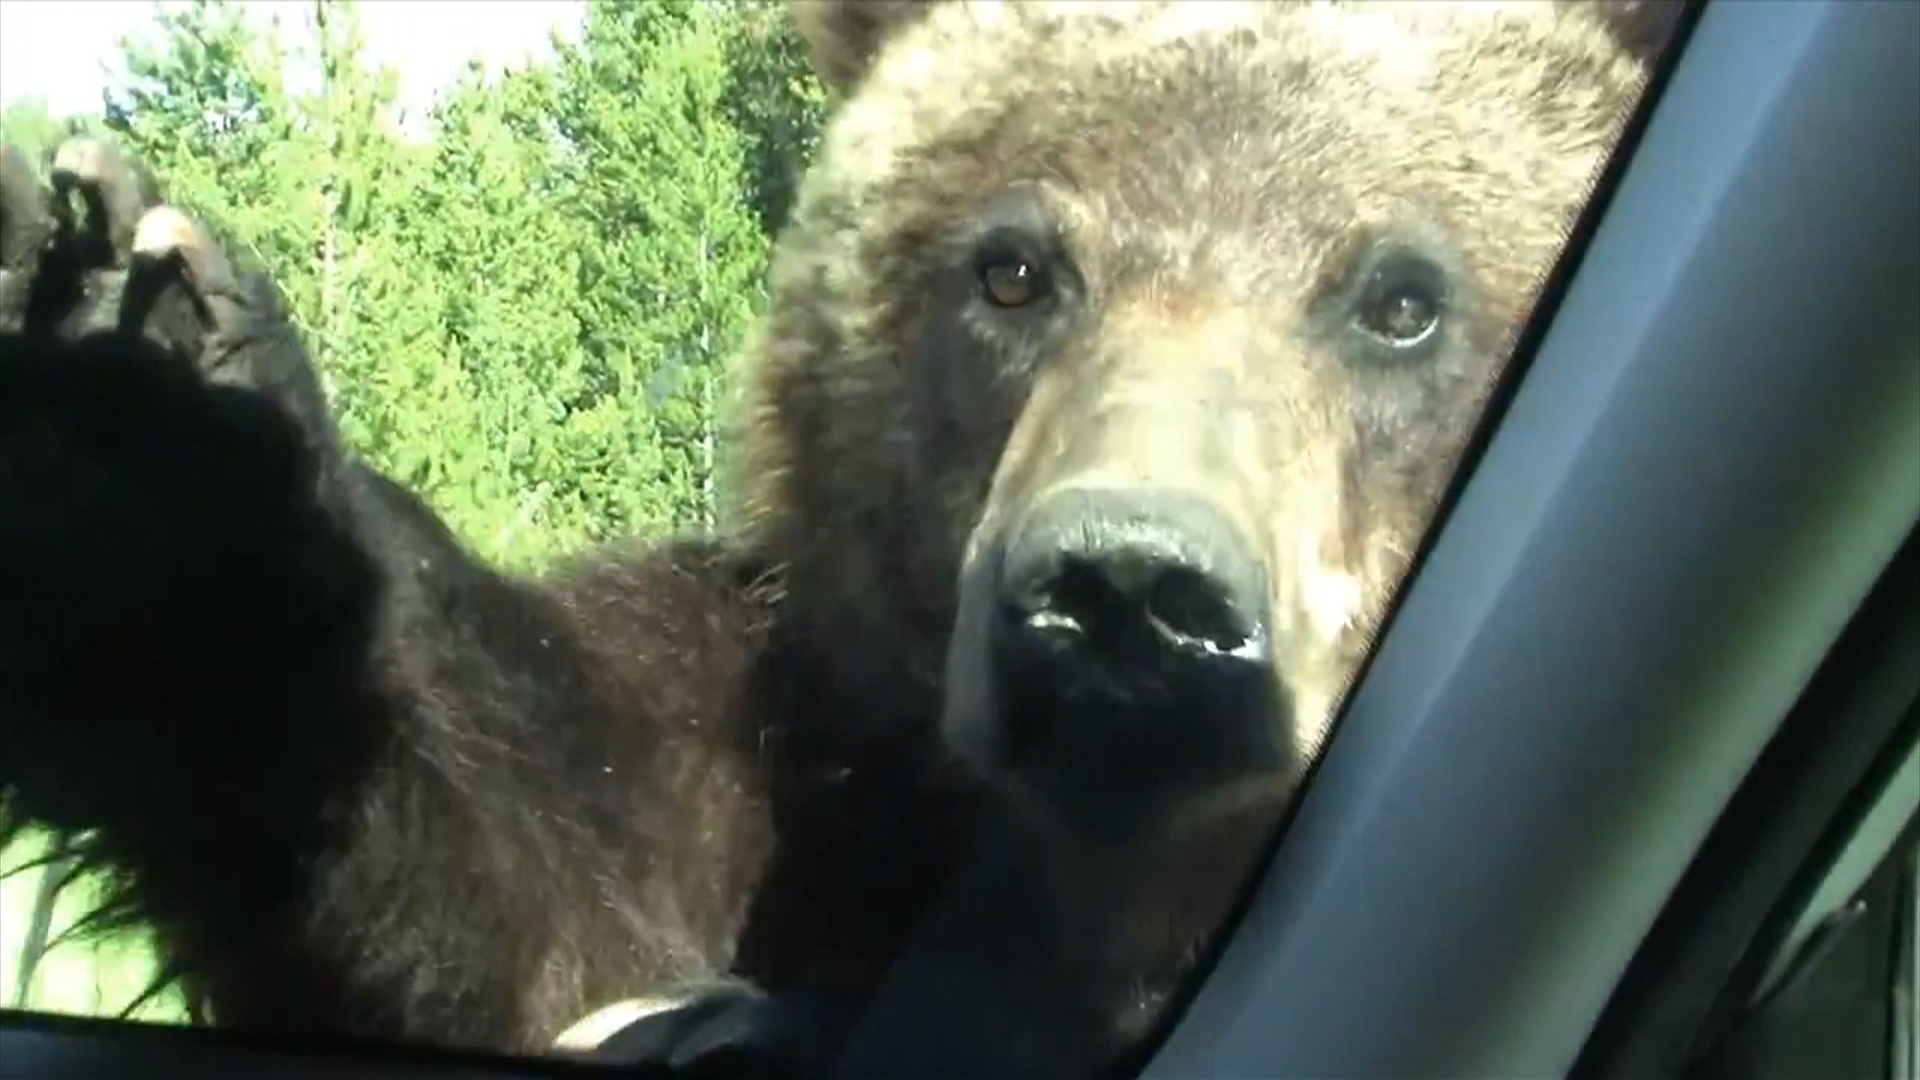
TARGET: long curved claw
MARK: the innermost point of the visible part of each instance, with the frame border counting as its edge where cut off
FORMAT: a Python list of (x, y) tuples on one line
[(169, 247), (116, 189)]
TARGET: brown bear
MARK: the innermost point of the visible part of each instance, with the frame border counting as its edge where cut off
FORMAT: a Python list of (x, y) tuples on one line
[(1117, 355)]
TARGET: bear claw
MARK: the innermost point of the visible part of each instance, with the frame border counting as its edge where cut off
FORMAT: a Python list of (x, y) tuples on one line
[(116, 189), (163, 231), (168, 235), (25, 227), (133, 262)]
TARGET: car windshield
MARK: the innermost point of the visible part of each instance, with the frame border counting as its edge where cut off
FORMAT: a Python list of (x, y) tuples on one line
[(626, 529)]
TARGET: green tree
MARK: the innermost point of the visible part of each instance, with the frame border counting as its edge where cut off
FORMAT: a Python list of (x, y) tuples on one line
[(775, 102), (674, 270), (27, 124), (492, 226)]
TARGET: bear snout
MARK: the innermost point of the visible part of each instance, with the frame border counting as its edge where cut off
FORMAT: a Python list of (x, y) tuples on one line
[(1129, 651), (1132, 583)]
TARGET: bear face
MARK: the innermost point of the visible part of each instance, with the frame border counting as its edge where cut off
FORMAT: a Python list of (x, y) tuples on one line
[(1119, 353)]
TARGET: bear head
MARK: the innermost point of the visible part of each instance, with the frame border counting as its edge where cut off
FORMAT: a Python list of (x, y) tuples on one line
[(1118, 354)]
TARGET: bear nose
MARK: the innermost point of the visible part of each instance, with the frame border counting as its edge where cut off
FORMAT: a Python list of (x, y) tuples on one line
[(1136, 584)]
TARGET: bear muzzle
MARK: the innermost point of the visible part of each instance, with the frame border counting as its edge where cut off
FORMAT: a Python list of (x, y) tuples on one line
[(1129, 650), (1131, 586)]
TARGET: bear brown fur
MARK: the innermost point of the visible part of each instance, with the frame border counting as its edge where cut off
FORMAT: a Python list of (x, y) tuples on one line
[(361, 784)]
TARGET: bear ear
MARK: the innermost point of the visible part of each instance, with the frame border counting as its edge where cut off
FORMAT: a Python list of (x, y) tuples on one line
[(843, 36), (1641, 28)]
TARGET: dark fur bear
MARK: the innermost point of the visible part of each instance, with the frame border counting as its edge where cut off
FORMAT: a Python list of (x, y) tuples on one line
[(358, 783), (1117, 353)]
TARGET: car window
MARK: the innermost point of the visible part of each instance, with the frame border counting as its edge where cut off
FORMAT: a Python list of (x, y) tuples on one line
[(1877, 848), (1843, 1006), (1836, 996), (670, 535)]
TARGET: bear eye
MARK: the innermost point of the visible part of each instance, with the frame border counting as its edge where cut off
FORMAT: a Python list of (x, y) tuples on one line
[(1402, 302), (1011, 281)]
